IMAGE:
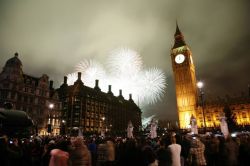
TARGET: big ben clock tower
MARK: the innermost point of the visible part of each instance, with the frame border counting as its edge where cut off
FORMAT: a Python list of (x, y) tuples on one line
[(185, 79)]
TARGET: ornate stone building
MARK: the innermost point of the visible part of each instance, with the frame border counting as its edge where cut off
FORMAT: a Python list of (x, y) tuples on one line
[(63, 109), (189, 98), (93, 111), (30, 94)]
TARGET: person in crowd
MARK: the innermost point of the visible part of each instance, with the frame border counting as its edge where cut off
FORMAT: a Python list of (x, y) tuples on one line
[(244, 151), (36, 151), (110, 153), (148, 155), (46, 153), (9, 156), (175, 152), (26, 148), (196, 153), (59, 155), (185, 143), (229, 152), (212, 150), (101, 153), (163, 154), (14, 146), (93, 150), (79, 154)]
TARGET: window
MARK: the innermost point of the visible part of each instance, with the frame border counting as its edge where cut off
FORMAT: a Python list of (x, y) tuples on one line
[(244, 115)]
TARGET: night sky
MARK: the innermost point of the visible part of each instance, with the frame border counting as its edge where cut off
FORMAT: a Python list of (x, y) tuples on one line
[(52, 36)]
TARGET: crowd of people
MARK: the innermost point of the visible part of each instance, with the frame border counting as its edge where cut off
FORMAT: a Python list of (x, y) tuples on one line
[(170, 149)]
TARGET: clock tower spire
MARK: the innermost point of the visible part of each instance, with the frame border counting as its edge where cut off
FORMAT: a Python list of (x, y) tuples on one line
[(185, 79), (179, 38)]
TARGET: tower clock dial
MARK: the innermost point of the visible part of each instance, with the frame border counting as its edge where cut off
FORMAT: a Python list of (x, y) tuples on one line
[(179, 58)]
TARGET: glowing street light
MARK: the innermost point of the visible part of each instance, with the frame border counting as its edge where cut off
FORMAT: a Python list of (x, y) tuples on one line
[(200, 84), (51, 106)]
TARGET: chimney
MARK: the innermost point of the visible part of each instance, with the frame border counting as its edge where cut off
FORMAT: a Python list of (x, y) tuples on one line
[(51, 84), (79, 75), (130, 96), (120, 92), (65, 79), (96, 83), (109, 89)]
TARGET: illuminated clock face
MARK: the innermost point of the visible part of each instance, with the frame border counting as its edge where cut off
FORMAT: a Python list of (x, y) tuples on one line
[(179, 58)]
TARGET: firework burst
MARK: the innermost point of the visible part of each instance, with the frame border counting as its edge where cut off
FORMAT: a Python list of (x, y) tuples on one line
[(124, 62), (71, 78), (91, 71), (126, 72)]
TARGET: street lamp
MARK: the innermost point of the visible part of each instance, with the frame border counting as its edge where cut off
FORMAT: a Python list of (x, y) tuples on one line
[(103, 118), (63, 127), (51, 106), (200, 85)]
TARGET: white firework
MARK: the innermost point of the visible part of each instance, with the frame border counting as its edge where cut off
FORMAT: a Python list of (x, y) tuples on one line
[(124, 62), (152, 85), (72, 78), (126, 73), (91, 71)]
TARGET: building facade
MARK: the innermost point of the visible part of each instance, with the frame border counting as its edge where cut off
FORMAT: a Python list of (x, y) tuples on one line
[(30, 94), (94, 111), (189, 98), (185, 79)]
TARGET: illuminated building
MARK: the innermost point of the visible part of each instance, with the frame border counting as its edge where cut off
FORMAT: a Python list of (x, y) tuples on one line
[(30, 94), (188, 97), (92, 111), (185, 79)]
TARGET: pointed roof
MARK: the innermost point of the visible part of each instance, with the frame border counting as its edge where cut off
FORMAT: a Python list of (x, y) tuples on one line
[(177, 31), (179, 38)]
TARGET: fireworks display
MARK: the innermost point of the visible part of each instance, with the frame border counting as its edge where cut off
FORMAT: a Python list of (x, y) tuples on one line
[(126, 72)]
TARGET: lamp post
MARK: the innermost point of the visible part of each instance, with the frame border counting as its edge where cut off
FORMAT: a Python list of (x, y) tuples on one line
[(103, 122), (200, 85), (103, 127), (51, 106), (63, 127)]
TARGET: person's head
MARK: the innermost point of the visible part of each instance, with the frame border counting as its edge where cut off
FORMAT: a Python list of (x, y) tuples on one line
[(15, 141), (77, 142), (62, 145)]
